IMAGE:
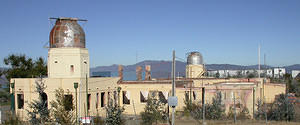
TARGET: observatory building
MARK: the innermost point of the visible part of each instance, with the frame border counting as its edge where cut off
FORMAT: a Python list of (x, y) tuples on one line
[(68, 68)]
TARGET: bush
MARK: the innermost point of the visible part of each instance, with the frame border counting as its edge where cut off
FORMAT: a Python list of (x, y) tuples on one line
[(59, 110), (114, 115), (260, 114), (153, 112), (281, 109), (216, 110), (12, 119)]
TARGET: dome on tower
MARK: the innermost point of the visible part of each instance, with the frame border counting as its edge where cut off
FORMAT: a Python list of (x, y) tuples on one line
[(67, 33), (194, 58)]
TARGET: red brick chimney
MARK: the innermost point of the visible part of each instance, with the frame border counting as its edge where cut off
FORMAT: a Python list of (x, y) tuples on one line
[(120, 69), (138, 73), (148, 72)]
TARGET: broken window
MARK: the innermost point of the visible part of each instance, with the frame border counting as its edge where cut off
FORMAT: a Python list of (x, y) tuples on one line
[(68, 101), (89, 102), (97, 100), (126, 97), (144, 96), (163, 97), (152, 94), (102, 99), (20, 101)]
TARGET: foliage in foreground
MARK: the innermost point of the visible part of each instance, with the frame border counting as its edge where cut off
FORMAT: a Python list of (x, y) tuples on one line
[(39, 113), (154, 112), (12, 119), (114, 115), (62, 109), (281, 109)]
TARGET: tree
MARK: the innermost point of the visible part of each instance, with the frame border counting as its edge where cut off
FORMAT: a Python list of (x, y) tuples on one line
[(62, 109), (114, 115), (282, 109), (153, 112), (218, 75), (260, 114), (216, 110), (24, 67), (39, 113)]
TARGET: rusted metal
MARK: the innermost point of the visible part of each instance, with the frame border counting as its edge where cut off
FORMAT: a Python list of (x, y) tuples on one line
[(148, 72), (67, 33)]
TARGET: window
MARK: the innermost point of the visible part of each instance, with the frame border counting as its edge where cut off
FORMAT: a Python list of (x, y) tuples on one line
[(102, 99), (108, 98), (45, 99), (126, 97), (89, 102), (194, 95), (152, 94), (71, 68), (144, 96), (163, 97), (97, 100), (68, 102), (115, 97), (20, 101)]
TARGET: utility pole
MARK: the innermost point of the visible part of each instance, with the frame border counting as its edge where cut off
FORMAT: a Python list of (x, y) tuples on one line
[(87, 95), (75, 87), (253, 104), (203, 105), (173, 87), (259, 61), (234, 108)]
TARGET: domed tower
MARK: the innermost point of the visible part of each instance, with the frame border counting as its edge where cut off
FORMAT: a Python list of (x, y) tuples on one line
[(194, 67), (67, 55)]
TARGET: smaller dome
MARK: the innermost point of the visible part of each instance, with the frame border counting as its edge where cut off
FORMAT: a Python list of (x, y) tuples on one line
[(194, 58)]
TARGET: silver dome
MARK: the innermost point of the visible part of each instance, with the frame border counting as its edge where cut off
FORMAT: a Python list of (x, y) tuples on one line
[(194, 58)]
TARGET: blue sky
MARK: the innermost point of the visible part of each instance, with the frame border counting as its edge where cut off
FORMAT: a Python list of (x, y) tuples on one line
[(116, 31)]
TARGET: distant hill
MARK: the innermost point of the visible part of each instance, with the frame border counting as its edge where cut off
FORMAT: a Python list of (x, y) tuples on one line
[(162, 69)]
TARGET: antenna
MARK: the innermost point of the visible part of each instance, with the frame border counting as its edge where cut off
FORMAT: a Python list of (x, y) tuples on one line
[(259, 61), (66, 18)]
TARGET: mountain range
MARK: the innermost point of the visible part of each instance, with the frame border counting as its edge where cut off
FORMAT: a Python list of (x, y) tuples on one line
[(162, 69)]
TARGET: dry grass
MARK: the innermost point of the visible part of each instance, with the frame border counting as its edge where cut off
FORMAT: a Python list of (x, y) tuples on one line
[(247, 122)]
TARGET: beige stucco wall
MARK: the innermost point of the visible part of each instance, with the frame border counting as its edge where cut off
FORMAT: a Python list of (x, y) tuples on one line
[(60, 60), (194, 71), (27, 86), (243, 92)]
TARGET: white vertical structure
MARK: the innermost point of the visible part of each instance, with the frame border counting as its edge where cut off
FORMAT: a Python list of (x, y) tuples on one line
[(259, 61)]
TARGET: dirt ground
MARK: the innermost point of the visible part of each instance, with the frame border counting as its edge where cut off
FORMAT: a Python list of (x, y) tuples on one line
[(219, 122)]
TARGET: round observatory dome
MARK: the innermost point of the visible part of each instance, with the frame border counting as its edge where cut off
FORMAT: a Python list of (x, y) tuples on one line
[(67, 33), (194, 58)]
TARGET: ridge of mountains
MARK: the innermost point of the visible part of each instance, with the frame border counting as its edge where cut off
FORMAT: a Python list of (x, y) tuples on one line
[(161, 68)]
